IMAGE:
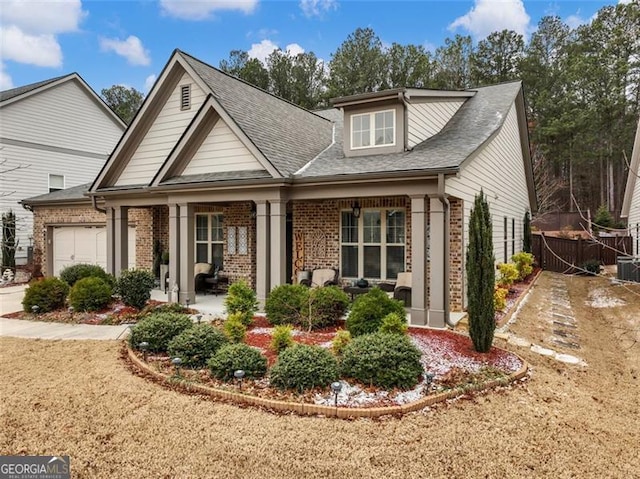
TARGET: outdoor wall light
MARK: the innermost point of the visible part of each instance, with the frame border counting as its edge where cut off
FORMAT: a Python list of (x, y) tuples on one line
[(35, 309), (355, 209), (336, 388), (144, 347), (429, 377), (177, 362), (239, 374)]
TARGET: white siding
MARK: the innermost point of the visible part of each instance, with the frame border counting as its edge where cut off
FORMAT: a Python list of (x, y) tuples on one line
[(221, 150), (499, 170), (428, 118), (167, 128), (64, 116), (634, 217)]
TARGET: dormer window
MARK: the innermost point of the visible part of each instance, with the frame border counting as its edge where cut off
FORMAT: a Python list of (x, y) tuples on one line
[(373, 129), (185, 97)]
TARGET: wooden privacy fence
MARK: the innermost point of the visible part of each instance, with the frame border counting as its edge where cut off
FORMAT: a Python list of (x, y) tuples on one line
[(559, 254)]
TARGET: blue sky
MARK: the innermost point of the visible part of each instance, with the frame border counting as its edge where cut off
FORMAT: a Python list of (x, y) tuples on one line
[(128, 42)]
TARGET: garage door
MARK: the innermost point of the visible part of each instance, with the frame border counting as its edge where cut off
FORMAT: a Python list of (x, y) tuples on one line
[(85, 244)]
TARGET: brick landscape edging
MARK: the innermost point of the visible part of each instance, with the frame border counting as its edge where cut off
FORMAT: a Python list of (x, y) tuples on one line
[(316, 409)]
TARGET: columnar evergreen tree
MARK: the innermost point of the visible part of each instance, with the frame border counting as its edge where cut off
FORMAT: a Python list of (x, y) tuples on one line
[(8, 240), (526, 240), (481, 276)]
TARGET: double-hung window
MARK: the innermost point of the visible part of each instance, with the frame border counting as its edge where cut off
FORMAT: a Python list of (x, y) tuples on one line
[(56, 182), (373, 245), (210, 239), (373, 129)]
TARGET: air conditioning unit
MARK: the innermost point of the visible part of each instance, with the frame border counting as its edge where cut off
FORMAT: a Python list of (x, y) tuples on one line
[(629, 268)]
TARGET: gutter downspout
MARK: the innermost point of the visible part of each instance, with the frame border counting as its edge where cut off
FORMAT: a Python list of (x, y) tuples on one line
[(403, 99), (94, 202), (447, 248)]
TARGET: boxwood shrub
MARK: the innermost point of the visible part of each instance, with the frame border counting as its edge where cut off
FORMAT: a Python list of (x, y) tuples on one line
[(158, 329), (394, 323), (48, 294), (369, 309), (303, 367), (134, 287), (326, 307), (242, 299), (90, 294), (72, 274), (234, 329), (381, 359), (285, 303), (232, 357), (197, 344)]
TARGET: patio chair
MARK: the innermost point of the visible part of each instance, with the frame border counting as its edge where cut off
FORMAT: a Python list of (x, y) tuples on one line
[(402, 291), (201, 272), (321, 277)]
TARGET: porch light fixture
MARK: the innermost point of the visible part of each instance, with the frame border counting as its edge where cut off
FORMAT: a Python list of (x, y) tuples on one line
[(336, 387), (144, 347), (429, 376), (355, 209), (239, 375), (177, 362)]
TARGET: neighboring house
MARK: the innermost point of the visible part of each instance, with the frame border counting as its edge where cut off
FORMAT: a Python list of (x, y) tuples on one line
[(54, 135), (631, 203), (219, 171)]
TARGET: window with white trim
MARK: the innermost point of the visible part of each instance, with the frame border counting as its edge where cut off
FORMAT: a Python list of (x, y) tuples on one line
[(210, 239), (373, 245), (373, 129), (56, 182), (185, 97)]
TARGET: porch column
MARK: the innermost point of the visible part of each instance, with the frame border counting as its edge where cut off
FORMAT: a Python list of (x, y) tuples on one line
[(278, 210), (418, 260), (174, 250), (262, 251), (187, 280), (111, 262), (121, 239), (437, 264)]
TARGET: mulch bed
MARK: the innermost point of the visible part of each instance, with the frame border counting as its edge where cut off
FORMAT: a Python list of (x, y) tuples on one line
[(515, 291)]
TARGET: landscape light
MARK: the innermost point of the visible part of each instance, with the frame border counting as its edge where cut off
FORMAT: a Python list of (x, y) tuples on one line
[(177, 362), (35, 308), (199, 318), (336, 388), (239, 374), (144, 346), (429, 376), (71, 311)]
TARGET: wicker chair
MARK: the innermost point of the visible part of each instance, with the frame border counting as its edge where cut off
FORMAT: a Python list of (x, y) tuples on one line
[(402, 291), (321, 277)]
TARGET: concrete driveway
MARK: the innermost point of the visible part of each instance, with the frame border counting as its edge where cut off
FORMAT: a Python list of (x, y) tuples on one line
[(11, 301)]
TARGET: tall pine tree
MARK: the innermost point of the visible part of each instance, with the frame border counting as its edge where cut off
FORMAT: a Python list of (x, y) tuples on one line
[(481, 276)]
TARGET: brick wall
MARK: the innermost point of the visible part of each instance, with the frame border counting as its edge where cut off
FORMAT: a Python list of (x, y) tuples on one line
[(239, 266), (456, 252), (44, 216)]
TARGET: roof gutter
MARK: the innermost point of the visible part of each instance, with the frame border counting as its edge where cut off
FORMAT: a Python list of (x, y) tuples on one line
[(94, 203), (447, 249)]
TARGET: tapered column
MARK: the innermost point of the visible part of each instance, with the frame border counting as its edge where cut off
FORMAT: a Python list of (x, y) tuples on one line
[(437, 280), (418, 260), (262, 251), (278, 264), (111, 260), (187, 245), (121, 239), (174, 251)]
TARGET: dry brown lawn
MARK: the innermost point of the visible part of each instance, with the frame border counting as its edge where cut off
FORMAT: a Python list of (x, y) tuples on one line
[(78, 398)]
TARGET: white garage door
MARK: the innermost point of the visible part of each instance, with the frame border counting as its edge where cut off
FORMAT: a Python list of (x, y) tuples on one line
[(85, 244)]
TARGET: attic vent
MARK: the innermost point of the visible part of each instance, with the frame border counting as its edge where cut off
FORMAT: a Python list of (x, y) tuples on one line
[(185, 97)]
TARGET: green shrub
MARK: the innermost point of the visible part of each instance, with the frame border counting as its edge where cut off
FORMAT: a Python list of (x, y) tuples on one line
[(394, 323), (281, 338), (592, 267), (500, 298), (524, 264), (303, 367), (232, 357), (285, 304), (508, 274), (603, 218), (134, 287), (385, 360), (326, 306), (72, 274), (195, 345), (158, 329), (234, 329), (369, 309), (241, 299), (48, 294), (90, 294), (342, 338)]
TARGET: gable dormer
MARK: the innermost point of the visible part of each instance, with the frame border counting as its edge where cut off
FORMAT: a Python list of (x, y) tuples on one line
[(392, 121)]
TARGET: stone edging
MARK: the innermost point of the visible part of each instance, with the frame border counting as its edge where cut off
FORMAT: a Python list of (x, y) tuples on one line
[(316, 409), (507, 316)]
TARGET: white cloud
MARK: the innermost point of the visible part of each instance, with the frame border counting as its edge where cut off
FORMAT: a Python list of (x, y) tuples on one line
[(202, 9), (131, 49), (39, 50), (574, 21), (6, 82), (43, 16), (317, 8), (294, 49), (488, 16), (149, 81), (263, 49)]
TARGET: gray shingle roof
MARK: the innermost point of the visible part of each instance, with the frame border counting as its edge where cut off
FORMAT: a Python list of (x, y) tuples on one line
[(473, 124), (21, 90), (69, 194), (288, 136), (220, 176)]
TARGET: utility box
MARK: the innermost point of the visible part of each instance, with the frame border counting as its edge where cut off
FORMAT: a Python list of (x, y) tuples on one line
[(629, 268)]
